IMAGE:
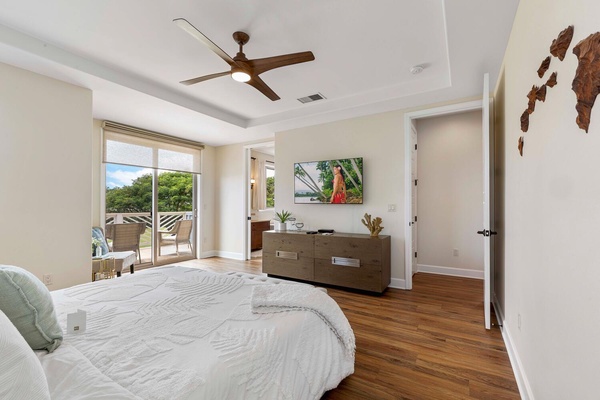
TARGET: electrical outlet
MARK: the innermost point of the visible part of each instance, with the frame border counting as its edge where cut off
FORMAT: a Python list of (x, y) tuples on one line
[(204, 240), (519, 321), (455, 252), (391, 208), (47, 279)]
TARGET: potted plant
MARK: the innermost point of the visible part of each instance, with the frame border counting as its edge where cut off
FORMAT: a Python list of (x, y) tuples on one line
[(280, 220)]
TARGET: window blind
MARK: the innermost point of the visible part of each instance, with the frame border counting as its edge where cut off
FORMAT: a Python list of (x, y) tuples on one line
[(123, 144)]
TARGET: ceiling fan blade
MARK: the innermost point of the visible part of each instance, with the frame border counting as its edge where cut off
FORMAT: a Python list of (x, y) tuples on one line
[(265, 64), (262, 87), (191, 29), (204, 78)]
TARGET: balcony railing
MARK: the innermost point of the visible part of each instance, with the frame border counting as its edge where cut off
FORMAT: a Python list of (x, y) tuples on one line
[(166, 222)]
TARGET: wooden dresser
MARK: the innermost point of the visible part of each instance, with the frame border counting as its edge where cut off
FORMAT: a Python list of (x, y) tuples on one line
[(342, 259), (257, 228)]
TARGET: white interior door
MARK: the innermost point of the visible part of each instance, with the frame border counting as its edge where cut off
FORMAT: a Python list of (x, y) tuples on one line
[(414, 178), (487, 197)]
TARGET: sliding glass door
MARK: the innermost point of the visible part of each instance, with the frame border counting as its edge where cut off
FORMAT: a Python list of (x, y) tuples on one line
[(151, 182), (176, 216), (151, 198)]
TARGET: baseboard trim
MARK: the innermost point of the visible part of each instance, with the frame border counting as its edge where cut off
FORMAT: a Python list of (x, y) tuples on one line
[(396, 283), (229, 254), (208, 254), (515, 360), (464, 273), (517, 366)]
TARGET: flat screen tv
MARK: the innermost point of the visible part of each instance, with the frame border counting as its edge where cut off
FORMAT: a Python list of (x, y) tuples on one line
[(337, 181)]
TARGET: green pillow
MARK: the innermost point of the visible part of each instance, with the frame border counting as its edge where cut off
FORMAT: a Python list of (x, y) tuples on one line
[(28, 304)]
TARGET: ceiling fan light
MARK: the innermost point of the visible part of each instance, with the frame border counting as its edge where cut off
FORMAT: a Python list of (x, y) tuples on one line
[(240, 76)]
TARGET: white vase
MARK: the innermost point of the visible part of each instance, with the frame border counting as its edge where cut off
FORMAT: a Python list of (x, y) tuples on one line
[(280, 226)]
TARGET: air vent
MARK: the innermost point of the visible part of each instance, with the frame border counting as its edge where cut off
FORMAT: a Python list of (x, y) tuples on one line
[(311, 98)]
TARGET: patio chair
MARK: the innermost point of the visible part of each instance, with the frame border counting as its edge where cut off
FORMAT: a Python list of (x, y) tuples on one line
[(126, 236), (122, 258), (180, 233)]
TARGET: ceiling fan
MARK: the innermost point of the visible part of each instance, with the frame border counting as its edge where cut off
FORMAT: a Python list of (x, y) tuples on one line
[(242, 69)]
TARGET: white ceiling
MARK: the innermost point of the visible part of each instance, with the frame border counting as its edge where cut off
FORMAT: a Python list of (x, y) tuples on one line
[(132, 56)]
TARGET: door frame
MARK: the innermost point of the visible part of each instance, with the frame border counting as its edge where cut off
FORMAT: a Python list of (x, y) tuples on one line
[(247, 234), (408, 121)]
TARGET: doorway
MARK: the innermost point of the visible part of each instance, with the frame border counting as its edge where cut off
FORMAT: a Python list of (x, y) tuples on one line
[(409, 126), (449, 188), (487, 230), (260, 176)]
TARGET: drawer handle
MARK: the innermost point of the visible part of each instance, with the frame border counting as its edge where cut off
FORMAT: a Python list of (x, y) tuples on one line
[(289, 255), (346, 262)]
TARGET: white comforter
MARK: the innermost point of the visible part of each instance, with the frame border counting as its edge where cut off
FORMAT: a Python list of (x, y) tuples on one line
[(182, 333)]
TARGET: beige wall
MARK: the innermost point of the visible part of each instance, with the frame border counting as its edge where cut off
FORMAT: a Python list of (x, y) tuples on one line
[(551, 263), (97, 174), (45, 176), (230, 207), (207, 241), (450, 193), (379, 140)]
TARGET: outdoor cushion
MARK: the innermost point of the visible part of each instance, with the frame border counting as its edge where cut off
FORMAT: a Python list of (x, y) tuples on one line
[(97, 234)]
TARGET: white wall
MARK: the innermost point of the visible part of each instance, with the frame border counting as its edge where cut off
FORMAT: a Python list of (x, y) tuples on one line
[(450, 193), (551, 265), (45, 176)]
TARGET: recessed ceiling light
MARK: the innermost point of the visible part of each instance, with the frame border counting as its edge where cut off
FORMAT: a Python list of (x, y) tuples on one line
[(417, 69)]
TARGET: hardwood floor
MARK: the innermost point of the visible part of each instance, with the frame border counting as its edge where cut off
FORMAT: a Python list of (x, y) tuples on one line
[(428, 343)]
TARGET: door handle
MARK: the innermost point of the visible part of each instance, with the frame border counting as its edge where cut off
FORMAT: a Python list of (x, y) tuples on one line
[(487, 233)]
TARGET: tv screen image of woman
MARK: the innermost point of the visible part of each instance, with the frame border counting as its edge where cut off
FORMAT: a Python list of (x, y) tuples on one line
[(338, 196), (336, 181)]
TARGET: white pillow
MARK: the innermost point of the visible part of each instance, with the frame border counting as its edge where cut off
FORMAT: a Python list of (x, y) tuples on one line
[(21, 374)]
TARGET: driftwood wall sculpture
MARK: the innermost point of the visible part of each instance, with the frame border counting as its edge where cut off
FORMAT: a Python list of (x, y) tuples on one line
[(561, 44), (586, 84), (544, 67), (521, 144), (551, 82), (558, 49)]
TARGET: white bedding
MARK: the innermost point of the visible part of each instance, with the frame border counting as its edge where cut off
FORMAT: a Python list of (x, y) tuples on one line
[(182, 333)]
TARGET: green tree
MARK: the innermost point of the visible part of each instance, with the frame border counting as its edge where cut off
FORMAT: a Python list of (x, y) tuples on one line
[(271, 192), (175, 191), (174, 194)]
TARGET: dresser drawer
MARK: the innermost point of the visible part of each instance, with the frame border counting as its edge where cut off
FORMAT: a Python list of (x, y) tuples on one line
[(365, 277), (368, 251), (288, 254), (302, 268), (303, 245)]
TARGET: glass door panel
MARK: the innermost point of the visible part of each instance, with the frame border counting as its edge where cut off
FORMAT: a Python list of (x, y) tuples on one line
[(129, 200), (175, 217)]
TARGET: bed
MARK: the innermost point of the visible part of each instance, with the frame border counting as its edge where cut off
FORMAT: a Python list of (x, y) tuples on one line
[(184, 333)]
